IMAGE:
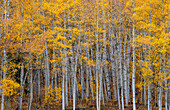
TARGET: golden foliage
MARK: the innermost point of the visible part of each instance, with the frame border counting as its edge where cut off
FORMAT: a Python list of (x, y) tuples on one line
[(9, 87)]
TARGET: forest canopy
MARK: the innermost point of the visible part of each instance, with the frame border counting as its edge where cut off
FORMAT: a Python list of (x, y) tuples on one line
[(93, 54)]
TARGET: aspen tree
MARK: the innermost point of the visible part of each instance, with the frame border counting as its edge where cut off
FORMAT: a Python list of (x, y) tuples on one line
[(4, 51), (66, 62), (149, 83), (30, 65), (97, 56), (112, 43), (116, 54), (125, 62), (104, 51), (22, 64), (75, 64), (120, 58), (133, 49), (128, 63)]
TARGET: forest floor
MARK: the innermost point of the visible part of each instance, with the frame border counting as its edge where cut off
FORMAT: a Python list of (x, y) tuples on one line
[(81, 105), (90, 106)]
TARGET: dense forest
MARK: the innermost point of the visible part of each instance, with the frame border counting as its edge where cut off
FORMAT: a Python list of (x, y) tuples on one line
[(85, 54)]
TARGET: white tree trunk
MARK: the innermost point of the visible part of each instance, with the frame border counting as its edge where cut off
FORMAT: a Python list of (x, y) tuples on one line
[(66, 63), (166, 96), (120, 58), (97, 57), (105, 88), (125, 63), (63, 103), (118, 88), (75, 53), (39, 81), (31, 84), (104, 54), (22, 86), (149, 83), (128, 64), (81, 65), (149, 96), (22, 62), (87, 66), (134, 57), (63, 73), (4, 61)]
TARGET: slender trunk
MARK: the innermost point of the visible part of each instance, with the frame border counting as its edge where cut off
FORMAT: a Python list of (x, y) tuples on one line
[(74, 84), (149, 82), (66, 63), (21, 83), (97, 57), (87, 66), (169, 95), (22, 63), (168, 80), (105, 88), (112, 42), (3, 77), (145, 78), (81, 66), (66, 87), (63, 104), (100, 81), (118, 88), (63, 73), (116, 54), (30, 64), (149, 96), (4, 61), (104, 54), (47, 65), (141, 79), (91, 79), (166, 96), (31, 84), (1, 71), (47, 72), (75, 53), (164, 70), (113, 73), (103, 97), (134, 56), (63, 51), (58, 72), (39, 80), (125, 63), (54, 63), (120, 58), (128, 64)]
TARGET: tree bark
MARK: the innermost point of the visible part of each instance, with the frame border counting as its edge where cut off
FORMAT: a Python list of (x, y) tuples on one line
[(134, 57)]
